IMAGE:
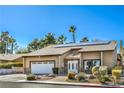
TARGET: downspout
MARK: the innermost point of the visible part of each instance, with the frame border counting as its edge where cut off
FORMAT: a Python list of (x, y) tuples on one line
[(24, 68), (101, 58), (59, 65)]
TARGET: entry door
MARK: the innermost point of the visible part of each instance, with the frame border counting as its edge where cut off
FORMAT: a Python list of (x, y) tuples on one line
[(73, 66)]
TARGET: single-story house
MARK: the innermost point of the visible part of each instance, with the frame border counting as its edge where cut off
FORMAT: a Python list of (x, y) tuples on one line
[(71, 57)]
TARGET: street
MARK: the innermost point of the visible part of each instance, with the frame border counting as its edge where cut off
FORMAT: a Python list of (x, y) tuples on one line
[(32, 85), (9, 81)]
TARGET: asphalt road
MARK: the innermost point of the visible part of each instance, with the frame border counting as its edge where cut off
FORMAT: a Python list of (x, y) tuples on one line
[(32, 85)]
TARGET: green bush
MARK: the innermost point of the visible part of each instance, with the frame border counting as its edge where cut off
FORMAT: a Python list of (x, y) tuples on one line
[(117, 68), (71, 75), (6, 66), (17, 64), (9, 65), (116, 73), (80, 76), (94, 69), (31, 77), (96, 74), (103, 79), (103, 70), (55, 70)]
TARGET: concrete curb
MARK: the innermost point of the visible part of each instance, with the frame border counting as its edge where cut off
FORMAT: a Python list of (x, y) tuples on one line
[(74, 84)]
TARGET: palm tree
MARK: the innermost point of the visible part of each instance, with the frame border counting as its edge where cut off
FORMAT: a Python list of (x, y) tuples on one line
[(61, 39), (72, 29), (49, 39), (12, 43), (85, 39), (5, 37)]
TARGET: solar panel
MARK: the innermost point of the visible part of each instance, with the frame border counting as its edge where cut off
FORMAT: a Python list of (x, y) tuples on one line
[(82, 44)]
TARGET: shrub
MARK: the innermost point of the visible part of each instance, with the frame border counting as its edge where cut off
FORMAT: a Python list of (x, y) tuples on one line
[(71, 75), (9, 65), (116, 73), (103, 79), (94, 69), (51, 75), (31, 77), (96, 74), (80, 76), (6, 66), (55, 70), (103, 70), (17, 64), (117, 68)]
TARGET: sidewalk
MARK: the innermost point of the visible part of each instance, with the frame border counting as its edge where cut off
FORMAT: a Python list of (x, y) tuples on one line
[(73, 84)]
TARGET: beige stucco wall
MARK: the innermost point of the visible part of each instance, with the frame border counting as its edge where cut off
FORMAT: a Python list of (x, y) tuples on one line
[(90, 55), (109, 57), (19, 59), (62, 58)]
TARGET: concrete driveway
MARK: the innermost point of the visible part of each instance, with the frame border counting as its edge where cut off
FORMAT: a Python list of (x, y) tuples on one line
[(12, 77)]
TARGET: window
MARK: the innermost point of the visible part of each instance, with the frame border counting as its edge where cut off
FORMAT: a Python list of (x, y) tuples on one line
[(77, 66), (72, 66), (69, 65)]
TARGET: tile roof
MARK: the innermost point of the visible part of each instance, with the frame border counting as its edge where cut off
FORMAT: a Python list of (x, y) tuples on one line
[(10, 57), (50, 50)]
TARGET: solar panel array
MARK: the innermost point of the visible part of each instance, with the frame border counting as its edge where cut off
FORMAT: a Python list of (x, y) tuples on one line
[(82, 44)]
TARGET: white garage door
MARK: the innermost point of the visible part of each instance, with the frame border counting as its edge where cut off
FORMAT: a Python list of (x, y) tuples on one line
[(42, 67)]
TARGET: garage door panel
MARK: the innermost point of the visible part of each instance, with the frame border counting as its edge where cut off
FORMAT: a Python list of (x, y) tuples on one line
[(43, 68)]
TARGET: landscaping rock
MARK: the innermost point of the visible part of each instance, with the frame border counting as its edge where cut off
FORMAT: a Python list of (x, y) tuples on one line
[(44, 75), (51, 75)]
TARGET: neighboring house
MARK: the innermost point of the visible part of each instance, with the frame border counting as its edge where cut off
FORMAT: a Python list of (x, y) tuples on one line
[(11, 58), (71, 57)]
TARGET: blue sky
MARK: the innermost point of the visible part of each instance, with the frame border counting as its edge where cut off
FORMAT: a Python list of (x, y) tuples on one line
[(96, 22)]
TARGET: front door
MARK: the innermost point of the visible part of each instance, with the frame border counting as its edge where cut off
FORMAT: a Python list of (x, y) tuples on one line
[(73, 66)]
